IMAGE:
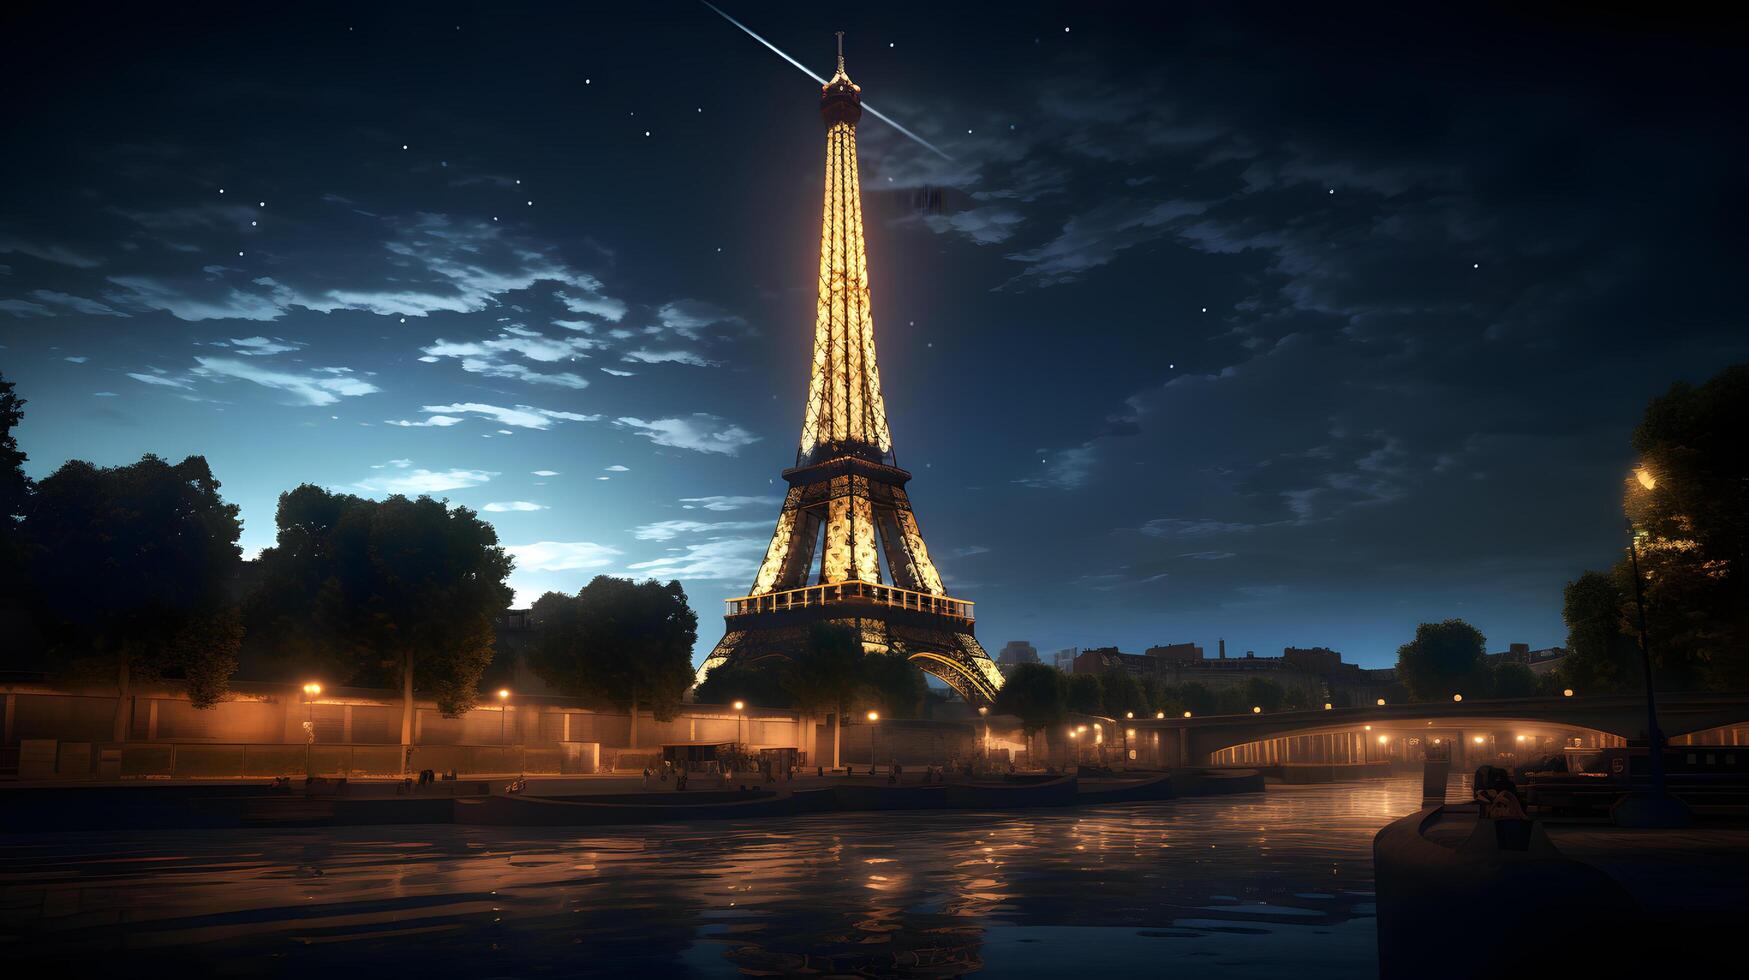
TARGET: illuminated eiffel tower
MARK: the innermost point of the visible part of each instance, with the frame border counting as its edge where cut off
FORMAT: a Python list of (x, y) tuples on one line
[(846, 514)]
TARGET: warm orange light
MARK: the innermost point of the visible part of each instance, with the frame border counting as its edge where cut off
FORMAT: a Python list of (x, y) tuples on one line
[(1131, 733), (1567, 693), (1436, 741), (1073, 734), (1256, 710), (1381, 702), (874, 716), (1161, 715), (1478, 740), (1187, 714), (740, 705), (503, 693), (1645, 477), (312, 689), (1326, 706), (1383, 739), (984, 712), (1368, 728), (1457, 697), (1129, 714), (1521, 738)]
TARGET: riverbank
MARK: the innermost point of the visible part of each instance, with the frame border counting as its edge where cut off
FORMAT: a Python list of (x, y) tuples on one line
[(1597, 899), (576, 801)]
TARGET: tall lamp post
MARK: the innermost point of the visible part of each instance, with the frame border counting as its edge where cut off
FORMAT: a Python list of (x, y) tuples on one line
[(503, 709), (310, 691), (873, 718), (1656, 808), (984, 713)]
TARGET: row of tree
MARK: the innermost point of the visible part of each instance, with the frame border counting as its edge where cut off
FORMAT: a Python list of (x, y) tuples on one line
[(133, 574)]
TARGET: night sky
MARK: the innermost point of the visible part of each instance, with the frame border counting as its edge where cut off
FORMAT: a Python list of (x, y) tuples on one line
[(1284, 326)]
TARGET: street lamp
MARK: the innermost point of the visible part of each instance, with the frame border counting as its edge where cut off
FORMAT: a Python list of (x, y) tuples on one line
[(503, 708), (311, 689), (1256, 709), (873, 717), (984, 713), (1326, 706), (1657, 808), (1567, 693), (1187, 714), (740, 721), (1160, 716), (1381, 702), (1457, 697)]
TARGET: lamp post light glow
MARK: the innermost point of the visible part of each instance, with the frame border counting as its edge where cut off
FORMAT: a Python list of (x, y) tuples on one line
[(873, 717), (503, 709), (1457, 697), (1477, 740), (740, 721), (1326, 706), (984, 713), (1381, 702), (1384, 739), (1159, 716), (1187, 714), (1256, 709), (1567, 693), (311, 689)]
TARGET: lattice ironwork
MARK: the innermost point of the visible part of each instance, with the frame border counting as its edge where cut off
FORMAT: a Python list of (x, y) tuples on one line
[(847, 511)]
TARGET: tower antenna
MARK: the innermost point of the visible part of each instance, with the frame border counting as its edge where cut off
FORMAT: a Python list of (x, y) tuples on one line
[(840, 52)]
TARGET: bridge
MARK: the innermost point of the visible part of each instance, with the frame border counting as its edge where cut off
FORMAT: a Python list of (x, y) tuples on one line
[(1193, 740)]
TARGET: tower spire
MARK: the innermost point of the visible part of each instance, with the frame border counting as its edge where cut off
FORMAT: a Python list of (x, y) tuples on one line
[(841, 54)]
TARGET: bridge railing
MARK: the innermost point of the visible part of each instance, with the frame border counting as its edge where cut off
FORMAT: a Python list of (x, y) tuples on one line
[(841, 593)]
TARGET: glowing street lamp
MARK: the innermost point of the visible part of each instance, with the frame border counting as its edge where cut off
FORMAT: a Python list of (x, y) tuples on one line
[(1187, 714), (740, 721), (1256, 709), (1656, 807), (984, 713), (873, 717), (503, 709), (311, 689), (1161, 715), (1457, 697), (1567, 693), (1381, 702), (1326, 706)]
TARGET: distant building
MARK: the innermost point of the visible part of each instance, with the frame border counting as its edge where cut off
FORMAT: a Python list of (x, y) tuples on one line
[(1017, 652), (1540, 662), (1175, 651), (1064, 659)]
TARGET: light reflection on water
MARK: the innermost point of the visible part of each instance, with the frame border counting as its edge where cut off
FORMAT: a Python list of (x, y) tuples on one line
[(1240, 886)]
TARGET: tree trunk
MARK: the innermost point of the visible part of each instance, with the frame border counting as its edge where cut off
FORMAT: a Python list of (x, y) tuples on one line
[(406, 714), (124, 696), (837, 733), (633, 737)]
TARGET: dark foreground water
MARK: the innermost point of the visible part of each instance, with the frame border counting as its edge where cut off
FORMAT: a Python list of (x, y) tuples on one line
[(1266, 885)]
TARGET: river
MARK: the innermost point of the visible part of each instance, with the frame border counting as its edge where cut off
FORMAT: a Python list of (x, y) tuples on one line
[(1263, 885)]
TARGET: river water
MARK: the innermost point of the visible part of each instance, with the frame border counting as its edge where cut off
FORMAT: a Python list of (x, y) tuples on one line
[(1262, 885)]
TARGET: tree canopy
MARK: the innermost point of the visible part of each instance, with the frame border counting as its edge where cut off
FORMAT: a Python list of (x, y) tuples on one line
[(1442, 660), (1601, 657), (134, 568), (1036, 694), (894, 684), (619, 642), (827, 673), (1689, 507), (755, 685), (365, 589), (1120, 692), (1085, 694)]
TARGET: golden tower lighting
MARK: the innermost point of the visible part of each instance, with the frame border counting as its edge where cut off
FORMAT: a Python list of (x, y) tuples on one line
[(847, 549)]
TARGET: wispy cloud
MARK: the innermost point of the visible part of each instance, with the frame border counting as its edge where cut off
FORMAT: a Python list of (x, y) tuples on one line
[(507, 506), (722, 558), (78, 304), (726, 503), (644, 355), (58, 254), (259, 346), (325, 387), (493, 357), (161, 378), (546, 472), (418, 480), (668, 530), (562, 556), (522, 416), (699, 433)]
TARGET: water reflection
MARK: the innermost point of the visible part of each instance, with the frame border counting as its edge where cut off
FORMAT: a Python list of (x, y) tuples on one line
[(1245, 885)]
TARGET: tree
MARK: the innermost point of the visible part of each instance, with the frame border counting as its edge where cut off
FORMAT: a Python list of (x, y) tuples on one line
[(1086, 694), (1601, 657), (367, 589), (14, 485), (1197, 698), (624, 643), (133, 567), (1514, 681), (1037, 695), (1442, 660), (760, 686), (1261, 692), (894, 683), (1120, 692), (826, 675), (15, 489), (1689, 509)]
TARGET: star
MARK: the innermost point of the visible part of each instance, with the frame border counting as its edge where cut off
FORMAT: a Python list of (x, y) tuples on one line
[(239, 255), (251, 224), (221, 190), (261, 204), (1477, 265), (403, 146), (531, 204), (646, 132)]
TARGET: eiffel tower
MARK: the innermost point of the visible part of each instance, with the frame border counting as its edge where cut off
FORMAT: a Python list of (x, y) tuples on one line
[(846, 513)]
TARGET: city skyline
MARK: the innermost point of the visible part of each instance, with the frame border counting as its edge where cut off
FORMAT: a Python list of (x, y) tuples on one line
[(1223, 343)]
